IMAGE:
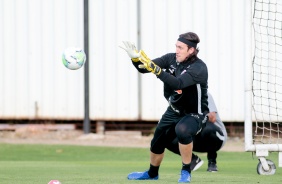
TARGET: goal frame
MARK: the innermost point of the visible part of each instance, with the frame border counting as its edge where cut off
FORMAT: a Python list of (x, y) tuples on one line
[(261, 150)]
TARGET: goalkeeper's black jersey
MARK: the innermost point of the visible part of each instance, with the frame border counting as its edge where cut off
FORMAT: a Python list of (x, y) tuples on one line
[(185, 83)]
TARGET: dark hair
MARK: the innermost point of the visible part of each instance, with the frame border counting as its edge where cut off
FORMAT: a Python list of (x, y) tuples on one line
[(192, 37)]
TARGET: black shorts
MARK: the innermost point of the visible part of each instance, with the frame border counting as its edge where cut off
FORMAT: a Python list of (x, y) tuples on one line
[(184, 126), (206, 141)]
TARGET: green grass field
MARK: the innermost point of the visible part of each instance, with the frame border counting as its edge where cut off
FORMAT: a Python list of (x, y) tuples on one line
[(36, 164)]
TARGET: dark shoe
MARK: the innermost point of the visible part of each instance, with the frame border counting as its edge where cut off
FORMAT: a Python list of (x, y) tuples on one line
[(212, 167), (196, 163)]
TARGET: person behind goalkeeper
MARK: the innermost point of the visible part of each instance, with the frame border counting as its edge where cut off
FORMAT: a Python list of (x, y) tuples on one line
[(211, 139), (186, 82)]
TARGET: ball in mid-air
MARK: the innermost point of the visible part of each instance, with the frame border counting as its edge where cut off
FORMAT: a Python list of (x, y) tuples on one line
[(73, 58)]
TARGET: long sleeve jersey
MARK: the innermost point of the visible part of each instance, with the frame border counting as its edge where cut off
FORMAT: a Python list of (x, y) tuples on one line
[(185, 83), (218, 121)]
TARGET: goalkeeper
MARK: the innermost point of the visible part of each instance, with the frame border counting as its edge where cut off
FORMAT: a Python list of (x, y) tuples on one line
[(186, 84), (211, 139)]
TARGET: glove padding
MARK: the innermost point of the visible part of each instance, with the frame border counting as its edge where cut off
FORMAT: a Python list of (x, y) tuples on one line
[(131, 50), (148, 64)]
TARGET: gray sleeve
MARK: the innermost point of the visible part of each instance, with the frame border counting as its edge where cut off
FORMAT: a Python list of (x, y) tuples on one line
[(212, 106), (218, 121)]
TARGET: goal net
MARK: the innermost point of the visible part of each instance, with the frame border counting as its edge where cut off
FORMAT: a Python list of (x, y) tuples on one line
[(267, 71), (263, 122)]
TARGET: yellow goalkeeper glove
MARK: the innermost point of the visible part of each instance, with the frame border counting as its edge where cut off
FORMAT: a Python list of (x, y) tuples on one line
[(131, 50), (148, 64)]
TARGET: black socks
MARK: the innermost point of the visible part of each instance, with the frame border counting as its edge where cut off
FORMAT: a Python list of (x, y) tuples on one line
[(186, 167), (153, 171)]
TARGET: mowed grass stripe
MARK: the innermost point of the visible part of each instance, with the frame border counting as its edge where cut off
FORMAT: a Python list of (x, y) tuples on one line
[(26, 164)]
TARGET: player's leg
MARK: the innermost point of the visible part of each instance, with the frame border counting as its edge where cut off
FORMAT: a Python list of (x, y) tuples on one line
[(172, 145), (156, 157), (212, 164), (210, 140), (196, 161), (168, 120), (185, 130), (172, 141)]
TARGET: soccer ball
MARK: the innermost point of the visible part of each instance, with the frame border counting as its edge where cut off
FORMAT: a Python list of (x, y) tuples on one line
[(73, 58), (54, 182)]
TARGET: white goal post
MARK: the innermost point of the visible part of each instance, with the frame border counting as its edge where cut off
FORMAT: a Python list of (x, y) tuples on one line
[(263, 88)]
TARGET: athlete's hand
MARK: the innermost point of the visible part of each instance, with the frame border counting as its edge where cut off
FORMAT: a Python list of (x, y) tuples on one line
[(212, 116), (148, 64), (131, 50)]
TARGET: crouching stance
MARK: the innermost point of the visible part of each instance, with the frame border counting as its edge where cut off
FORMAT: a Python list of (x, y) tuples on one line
[(211, 139), (185, 79)]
